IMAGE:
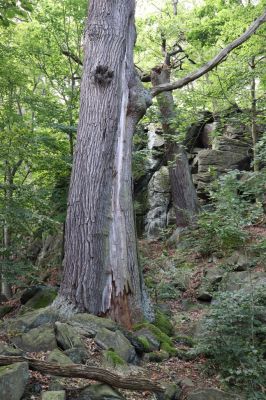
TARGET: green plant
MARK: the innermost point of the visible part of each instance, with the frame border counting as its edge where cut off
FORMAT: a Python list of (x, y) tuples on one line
[(236, 205), (232, 337)]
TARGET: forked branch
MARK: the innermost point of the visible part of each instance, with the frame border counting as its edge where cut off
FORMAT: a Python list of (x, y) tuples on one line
[(166, 87)]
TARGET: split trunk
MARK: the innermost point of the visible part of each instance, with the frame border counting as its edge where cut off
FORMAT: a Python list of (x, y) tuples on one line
[(101, 270)]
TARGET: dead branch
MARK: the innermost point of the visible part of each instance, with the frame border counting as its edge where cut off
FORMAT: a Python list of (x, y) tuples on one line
[(131, 382)]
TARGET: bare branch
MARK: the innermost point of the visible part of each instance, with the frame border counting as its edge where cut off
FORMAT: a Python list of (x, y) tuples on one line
[(73, 57), (212, 63)]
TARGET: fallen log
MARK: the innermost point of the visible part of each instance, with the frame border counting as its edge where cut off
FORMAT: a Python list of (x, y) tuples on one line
[(131, 382)]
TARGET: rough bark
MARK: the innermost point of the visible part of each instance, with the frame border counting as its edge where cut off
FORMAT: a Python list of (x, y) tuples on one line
[(183, 192), (131, 382), (101, 271)]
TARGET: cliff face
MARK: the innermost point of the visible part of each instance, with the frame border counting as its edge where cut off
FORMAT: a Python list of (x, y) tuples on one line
[(214, 148)]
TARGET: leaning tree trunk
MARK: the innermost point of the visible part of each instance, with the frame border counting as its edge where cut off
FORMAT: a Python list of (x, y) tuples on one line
[(101, 271), (183, 192)]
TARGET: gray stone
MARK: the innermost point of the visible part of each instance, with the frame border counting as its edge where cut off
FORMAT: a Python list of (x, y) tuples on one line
[(239, 261), (30, 320), (13, 380), (100, 392), (57, 356), (210, 394), (54, 395), (77, 355), (67, 336), (91, 324), (149, 337), (210, 283), (158, 203), (204, 295), (6, 350), (118, 342), (37, 339)]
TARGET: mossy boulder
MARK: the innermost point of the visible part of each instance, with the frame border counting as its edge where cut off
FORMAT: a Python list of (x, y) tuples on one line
[(78, 355), (165, 341), (91, 324), (6, 350), (68, 336), (113, 358), (42, 298), (59, 357), (118, 342), (33, 319), (148, 340), (13, 380), (100, 392), (37, 339)]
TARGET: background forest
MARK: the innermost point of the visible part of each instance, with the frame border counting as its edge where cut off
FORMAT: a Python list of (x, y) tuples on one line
[(211, 265)]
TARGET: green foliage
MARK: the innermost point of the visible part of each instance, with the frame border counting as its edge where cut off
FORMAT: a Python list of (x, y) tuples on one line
[(233, 337), (237, 203), (11, 9)]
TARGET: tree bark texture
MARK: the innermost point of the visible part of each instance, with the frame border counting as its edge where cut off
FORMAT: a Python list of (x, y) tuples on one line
[(101, 271), (183, 192), (131, 382)]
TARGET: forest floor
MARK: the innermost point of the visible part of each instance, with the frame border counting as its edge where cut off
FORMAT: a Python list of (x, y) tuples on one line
[(159, 262)]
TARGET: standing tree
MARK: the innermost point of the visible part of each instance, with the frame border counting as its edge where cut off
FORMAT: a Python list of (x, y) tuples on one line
[(101, 271)]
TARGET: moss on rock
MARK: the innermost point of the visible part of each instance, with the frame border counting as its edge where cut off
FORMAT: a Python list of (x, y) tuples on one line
[(113, 358), (163, 323)]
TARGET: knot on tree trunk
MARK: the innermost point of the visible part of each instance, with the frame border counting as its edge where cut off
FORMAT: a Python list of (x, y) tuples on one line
[(103, 75)]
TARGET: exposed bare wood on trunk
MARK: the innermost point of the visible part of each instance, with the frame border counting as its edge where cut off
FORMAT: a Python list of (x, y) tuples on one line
[(213, 62), (183, 192), (101, 274), (131, 382)]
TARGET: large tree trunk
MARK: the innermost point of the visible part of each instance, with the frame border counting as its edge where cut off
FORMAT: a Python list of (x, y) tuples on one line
[(101, 271), (183, 192)]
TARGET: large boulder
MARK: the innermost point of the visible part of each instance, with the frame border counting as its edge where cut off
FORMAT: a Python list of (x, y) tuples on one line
[(90, 324), (118, 342), (57, 356), (67, 336), (78, 355), (6, 350), (100, 392), (148, 339), (13, 380), (29, 320), (37, 339)]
